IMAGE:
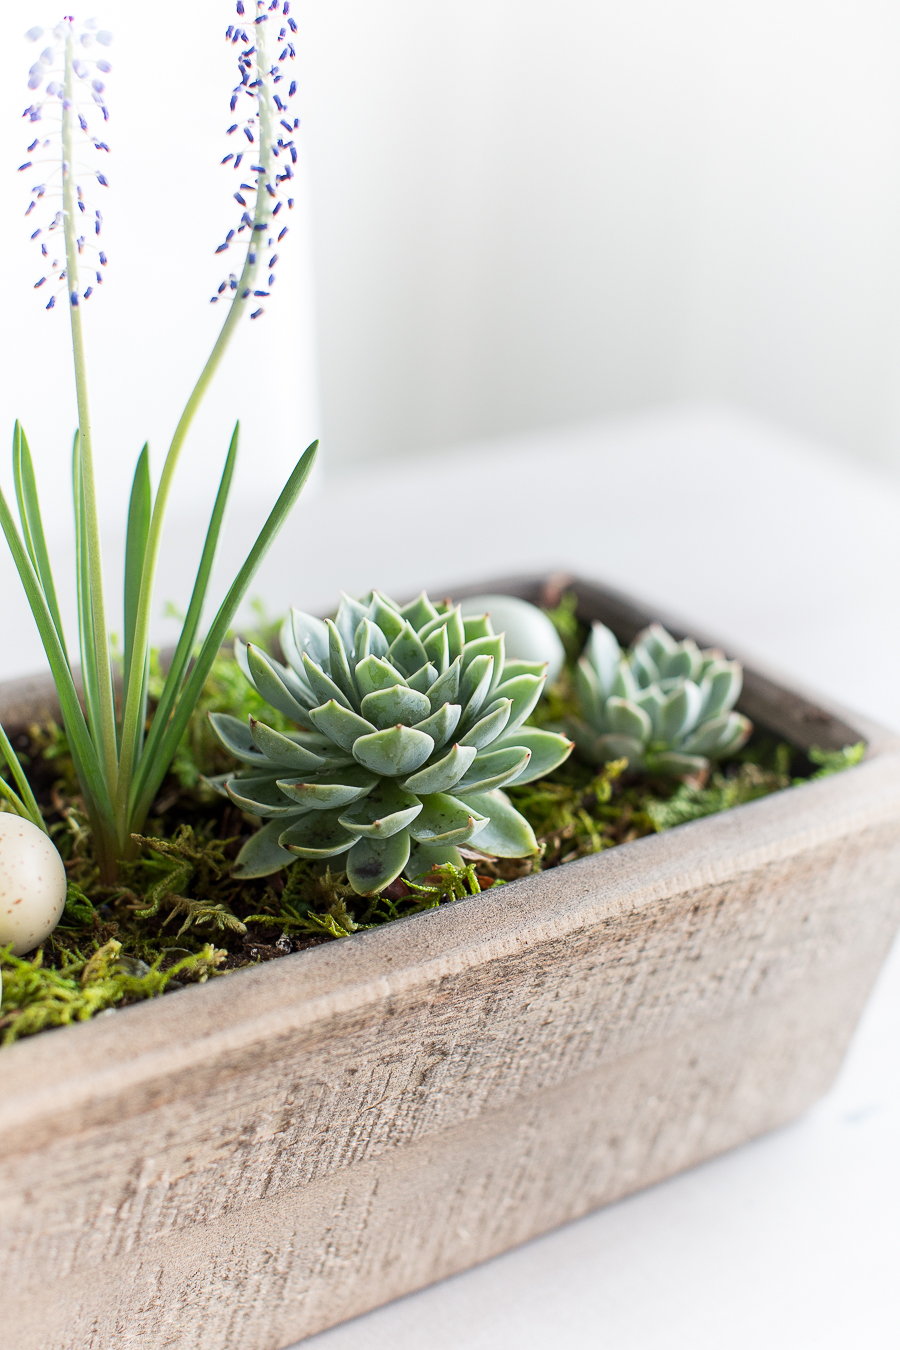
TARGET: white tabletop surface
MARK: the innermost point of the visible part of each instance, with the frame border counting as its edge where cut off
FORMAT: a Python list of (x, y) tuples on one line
[(792, 553)]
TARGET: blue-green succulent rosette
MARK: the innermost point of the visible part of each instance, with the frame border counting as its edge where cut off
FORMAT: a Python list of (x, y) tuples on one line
[(410, 723)]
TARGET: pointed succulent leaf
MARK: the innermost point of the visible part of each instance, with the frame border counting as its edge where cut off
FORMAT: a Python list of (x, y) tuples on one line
[(240, 656), (437, 649), (721, 686), (419, 612), (445, 688), (322, 686), (297, 684), (269, 679), (652, 700), (432, 626), (443, 775), (456, 632), (507, 835), (387, 618), (399, 750), (548, 751), (684, 663), (423, 858), (328, 791), (658, 644), (495, 768), (624, 684), (237, 739), (340, 666), (316, 835), (423, 679), (374, 672), (494, 645), (282, 750), (386, 599), (675, 763), (260, 796), (444, 820), (587, 690), (719, 736), (406, 651), (513, 668), (384, 812), (738, 733), (626, 719), (262, 854), (477, 626), (373, 864), (309, 637), (644, 668), (399, 704), (583, 736), (369, 641), (679, 712), (604, 654), (441, 725), (614, 745), (347, 620), (474, 688), (339, 724), (489, 727), (524, 690)]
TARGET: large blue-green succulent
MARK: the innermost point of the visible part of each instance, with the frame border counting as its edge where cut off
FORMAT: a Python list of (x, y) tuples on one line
[(411, 722), (666, 706)]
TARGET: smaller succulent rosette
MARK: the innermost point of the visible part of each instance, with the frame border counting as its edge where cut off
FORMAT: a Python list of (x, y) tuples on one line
[(411, 722), (666, 706)]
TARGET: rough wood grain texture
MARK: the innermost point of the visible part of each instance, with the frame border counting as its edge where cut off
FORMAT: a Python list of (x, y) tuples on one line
[(248, 1162)]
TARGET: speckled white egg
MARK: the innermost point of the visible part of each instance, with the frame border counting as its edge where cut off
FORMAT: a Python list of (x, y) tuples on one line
[(530, 636), (32, 884)]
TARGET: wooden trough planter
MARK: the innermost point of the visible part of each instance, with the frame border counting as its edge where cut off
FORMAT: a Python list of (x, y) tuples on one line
[(253, 1160)]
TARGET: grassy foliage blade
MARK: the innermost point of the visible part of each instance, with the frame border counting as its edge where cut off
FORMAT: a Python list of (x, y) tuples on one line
[(83, 590), (83, 753), (175, 677), (153, 768), (139, 508), (31, 810), (32, 526)]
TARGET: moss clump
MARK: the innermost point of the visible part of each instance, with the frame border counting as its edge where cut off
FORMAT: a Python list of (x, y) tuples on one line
[(36, 997)]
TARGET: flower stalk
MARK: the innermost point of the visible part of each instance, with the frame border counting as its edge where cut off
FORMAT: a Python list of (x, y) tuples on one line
[(95, 653)]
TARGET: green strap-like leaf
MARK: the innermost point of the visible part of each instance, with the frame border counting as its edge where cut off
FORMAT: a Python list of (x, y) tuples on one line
[(87, 765), (153, 770), (27, 806), (175, 676), (140, 506), (32, 527), (83, 589)]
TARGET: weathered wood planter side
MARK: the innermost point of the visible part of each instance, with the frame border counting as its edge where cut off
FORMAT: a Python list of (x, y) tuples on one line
[(251, 1161)]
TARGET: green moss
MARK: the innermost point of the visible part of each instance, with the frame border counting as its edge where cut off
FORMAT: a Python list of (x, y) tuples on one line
[(177, 916), (36, 996)]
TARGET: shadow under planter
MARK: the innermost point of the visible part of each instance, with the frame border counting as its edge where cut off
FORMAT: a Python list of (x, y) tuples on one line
[(253, 1160)]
